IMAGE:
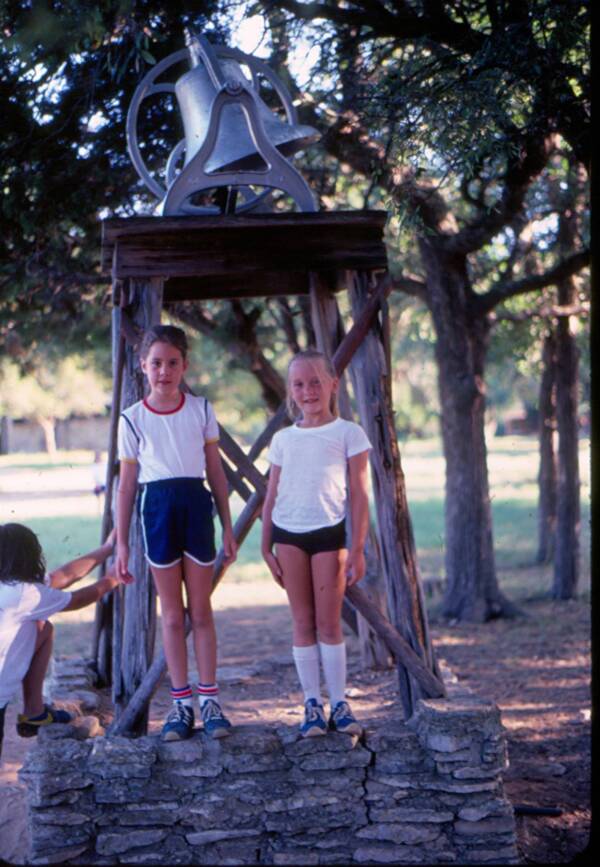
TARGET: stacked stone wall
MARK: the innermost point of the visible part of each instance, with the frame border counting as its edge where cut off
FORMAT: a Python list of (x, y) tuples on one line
[(426, 791)]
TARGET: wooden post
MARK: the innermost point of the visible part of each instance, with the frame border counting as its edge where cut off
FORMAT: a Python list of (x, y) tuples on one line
[(134, 621), (102, 637), (372, 384), (329, 332)]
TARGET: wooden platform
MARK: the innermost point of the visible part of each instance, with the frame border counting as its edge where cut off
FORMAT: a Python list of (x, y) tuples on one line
[(241, 256)]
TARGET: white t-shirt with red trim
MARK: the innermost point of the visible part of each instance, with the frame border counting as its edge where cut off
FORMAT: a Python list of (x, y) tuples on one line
[(313, 486), (21, 604), (168, 445)]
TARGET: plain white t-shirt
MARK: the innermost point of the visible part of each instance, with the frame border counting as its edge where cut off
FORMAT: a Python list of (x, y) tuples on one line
[(21, 604), (168, 445), (313, 488)]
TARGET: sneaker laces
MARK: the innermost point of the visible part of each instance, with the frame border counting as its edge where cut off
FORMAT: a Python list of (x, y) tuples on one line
[(312, 712), (179, 713), (211, 710), (342, 710)]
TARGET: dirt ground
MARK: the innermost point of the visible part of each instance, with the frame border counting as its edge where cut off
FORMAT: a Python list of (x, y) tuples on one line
[(536, 668)]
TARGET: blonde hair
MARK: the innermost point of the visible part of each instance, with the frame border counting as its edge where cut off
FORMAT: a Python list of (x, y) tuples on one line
[(314, 356)]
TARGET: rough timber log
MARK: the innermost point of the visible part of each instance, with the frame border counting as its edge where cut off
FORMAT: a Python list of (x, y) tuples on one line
[(372, 383), (134, 624)]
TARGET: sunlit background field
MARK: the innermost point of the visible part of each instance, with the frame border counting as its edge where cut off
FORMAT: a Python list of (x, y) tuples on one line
[(55, 498)]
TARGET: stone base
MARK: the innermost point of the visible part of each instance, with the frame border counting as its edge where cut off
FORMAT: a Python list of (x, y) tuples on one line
[(426, 791)]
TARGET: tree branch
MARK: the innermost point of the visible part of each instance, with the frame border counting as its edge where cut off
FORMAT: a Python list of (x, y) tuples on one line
[(483, 304), (555, 311), (530, 160)]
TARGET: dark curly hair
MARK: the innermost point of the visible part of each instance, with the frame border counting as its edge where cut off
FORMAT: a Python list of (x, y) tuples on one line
[(21, 555)]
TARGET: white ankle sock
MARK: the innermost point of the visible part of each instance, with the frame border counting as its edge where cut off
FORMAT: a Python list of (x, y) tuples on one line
[(307, 666), (333, 659)]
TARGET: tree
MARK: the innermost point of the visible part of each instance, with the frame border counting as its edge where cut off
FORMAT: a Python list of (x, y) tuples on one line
[(54, 392), (458, 112)]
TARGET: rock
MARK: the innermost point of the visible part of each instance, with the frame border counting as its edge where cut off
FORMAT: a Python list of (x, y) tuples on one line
[(114, 844), (59, 856), (494, 807), (192, 750), (201, 838), (475, 773), (404, 814), (485, 827), (400, 833), (58, 817), (119, 757), (389, 855)]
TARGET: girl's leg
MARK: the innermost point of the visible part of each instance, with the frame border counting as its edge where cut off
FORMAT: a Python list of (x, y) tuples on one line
[(329, 585), (168, 583), (198, 583), (297, 582), (33, 700)]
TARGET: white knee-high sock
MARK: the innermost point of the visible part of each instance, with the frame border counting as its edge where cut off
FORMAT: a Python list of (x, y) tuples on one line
[(307, 666), (333, 659)]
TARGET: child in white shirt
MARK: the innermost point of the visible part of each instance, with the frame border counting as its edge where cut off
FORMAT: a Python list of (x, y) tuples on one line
[(318, 473), (28, 597)]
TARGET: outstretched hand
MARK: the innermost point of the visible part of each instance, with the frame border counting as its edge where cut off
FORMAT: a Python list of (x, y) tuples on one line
[(355, 567)]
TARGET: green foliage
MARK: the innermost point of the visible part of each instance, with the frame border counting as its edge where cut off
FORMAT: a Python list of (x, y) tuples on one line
[(55, 391)]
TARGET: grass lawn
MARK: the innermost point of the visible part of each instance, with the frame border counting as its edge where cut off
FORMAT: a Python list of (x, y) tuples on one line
[(54, 497)]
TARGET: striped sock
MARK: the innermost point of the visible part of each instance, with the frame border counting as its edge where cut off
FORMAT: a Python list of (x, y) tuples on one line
[(206, 691), (184, 695)]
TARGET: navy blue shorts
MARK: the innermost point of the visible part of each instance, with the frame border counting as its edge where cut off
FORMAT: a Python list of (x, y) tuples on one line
[(177, 519), (314, 541)]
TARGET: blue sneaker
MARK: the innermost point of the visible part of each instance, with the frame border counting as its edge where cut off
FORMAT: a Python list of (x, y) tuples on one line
[(216, 724), (179, 724), (343, 720), (314, 719), (28, 726)]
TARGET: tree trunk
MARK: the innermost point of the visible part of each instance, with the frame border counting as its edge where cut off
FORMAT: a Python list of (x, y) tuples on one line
[(48, 426), (566, 556), (472, 591), (547, 476), (5, 430), (372, 382), (134, 624)]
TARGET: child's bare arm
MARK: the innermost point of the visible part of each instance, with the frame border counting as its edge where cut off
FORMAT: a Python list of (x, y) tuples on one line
[(87, 595), (217, 481), (359, 512), (267, 525), (74, 570)]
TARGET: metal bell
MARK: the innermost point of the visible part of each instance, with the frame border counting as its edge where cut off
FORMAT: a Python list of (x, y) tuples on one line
[(235, 149)]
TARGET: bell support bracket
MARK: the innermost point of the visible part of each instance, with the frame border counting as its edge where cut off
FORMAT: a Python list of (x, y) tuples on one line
[(279, 173)]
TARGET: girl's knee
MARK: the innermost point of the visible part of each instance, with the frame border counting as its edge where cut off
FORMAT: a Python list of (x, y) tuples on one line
[(304, 627), (330, 632), (202, 618), (173, 619)]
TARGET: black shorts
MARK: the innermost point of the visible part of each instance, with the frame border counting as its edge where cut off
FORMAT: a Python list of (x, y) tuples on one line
[(315, 541)]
